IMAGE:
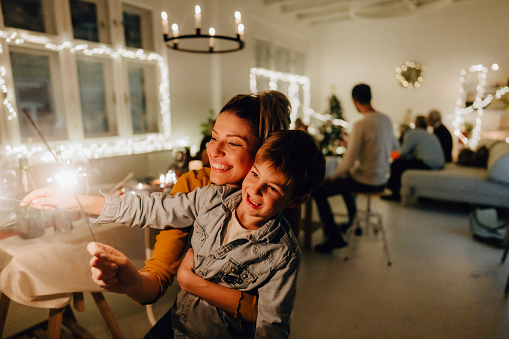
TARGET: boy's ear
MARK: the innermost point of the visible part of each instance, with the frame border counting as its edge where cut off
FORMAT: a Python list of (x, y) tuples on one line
[(298, 200)]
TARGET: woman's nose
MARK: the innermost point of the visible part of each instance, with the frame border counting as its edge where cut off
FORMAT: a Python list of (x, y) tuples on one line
[(215, 149)]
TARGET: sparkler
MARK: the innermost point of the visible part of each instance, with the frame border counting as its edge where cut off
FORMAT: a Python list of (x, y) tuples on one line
[(10, 199), (59, 163)]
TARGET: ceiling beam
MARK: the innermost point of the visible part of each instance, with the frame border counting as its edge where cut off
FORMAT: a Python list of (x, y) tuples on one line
[(311, 4), (343, 10)]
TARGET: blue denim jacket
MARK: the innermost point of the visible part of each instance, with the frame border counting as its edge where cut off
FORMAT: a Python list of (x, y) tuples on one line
[(267, 262)]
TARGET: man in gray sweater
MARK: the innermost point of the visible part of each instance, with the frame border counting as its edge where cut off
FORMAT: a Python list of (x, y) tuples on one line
[(364, 167)]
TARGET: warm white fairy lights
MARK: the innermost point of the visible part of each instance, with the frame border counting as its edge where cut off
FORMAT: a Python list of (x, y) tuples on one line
[(87, 150), (410, 74), (294, 82), (480, 102)]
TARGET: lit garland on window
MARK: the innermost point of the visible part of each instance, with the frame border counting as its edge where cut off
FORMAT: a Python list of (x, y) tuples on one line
[(293, 95), (479, 103), (148, 143), (294, 82)]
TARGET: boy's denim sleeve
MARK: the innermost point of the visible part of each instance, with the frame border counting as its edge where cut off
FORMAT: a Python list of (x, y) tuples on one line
[(157, 210), (276, 301)]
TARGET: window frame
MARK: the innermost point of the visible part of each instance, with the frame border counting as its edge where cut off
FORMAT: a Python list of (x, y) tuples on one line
[(69, 51)]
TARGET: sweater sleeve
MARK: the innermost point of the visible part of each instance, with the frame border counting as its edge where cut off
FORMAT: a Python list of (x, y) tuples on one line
[(171, 243)]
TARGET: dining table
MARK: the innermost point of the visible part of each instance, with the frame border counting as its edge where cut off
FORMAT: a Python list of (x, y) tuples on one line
[(52, 270)]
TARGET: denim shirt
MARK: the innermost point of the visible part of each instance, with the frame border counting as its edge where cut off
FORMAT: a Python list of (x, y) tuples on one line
[(266, 262)]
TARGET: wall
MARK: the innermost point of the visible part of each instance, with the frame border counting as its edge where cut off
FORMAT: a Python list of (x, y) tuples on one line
[(444, 42)]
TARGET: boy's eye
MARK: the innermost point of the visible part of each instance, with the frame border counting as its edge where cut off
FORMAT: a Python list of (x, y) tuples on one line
[(254, 174), (272, 188)]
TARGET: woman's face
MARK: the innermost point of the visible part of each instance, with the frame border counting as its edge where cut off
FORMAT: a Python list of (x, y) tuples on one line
[(231, 150)]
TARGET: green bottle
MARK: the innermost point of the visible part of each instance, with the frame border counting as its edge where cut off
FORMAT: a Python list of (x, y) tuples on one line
[(28, 219)]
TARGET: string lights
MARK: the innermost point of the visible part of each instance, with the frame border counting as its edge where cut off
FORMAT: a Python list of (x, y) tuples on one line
[(410, 74), (90, 150), (480, 102), (294, 82)]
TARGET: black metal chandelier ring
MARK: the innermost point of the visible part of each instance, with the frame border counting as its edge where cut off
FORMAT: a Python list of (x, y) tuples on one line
[(198, 35)]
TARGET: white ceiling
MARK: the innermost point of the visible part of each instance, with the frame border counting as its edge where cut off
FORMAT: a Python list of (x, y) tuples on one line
[(317, 12)]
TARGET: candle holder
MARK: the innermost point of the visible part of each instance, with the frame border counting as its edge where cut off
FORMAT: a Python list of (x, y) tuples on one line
[(173, 41), (170, 42)]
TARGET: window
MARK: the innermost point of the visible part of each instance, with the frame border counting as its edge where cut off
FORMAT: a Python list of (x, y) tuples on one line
[(144, 119), (96, 93), (278, 58), (88, 81), (34, 75), (295, 87), (137, 27), (89, 20), (32, 15), (282, 59), (262, 56)]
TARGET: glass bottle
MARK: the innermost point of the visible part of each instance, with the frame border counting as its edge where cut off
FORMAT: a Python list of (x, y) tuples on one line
[(29, 220)]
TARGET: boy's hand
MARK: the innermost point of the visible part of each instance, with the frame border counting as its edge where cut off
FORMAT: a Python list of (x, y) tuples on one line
[(49, 198), (111, 269), (185, 274)]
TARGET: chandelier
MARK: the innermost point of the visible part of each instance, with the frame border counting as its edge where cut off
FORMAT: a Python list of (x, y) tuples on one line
[(234, 43)]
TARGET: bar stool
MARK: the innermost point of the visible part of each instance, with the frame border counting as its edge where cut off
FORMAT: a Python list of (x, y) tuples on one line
[(368, 219)]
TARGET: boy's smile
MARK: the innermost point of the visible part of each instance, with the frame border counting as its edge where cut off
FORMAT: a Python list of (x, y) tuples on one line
[(264, 194)]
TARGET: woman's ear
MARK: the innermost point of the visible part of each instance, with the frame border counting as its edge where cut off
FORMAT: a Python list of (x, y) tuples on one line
[(298, 200)]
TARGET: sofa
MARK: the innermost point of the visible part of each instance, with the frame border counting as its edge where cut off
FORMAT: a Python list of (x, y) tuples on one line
[(473, 185)]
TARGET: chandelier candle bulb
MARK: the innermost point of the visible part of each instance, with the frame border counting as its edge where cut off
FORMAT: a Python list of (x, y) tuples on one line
[(212, 32), (197, 18), (164, 16), (238, 21), (175, 32), (241, 31)]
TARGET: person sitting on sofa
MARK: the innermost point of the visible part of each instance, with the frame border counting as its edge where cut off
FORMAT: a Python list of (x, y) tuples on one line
[(420, 150), (442, 133)]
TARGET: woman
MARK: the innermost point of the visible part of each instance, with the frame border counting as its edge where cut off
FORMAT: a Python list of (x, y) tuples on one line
[(241, 127)]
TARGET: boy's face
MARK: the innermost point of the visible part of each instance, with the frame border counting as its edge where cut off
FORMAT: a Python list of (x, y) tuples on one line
[(264, 194)]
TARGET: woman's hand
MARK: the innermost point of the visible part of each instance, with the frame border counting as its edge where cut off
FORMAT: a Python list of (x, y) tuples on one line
[(185, 274), (112, 270)]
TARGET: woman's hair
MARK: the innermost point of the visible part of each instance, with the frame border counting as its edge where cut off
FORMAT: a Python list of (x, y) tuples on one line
[(295, 155), (265, 112)]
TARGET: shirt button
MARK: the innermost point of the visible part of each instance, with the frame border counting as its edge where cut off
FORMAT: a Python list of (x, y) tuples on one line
[(183, 317)]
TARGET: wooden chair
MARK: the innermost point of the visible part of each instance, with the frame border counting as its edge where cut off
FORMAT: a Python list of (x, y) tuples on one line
[(368, 219)]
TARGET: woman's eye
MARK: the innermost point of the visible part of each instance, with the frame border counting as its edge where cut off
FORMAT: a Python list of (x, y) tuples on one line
[(233, 144)]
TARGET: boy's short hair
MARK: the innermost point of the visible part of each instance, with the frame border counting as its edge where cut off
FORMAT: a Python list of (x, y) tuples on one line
[(294, 154)]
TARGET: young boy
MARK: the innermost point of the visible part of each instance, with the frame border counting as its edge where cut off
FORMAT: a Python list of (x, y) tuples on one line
[(240, 239)]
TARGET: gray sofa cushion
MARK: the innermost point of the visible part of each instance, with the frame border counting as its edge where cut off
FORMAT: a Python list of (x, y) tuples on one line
[(498, 163)]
